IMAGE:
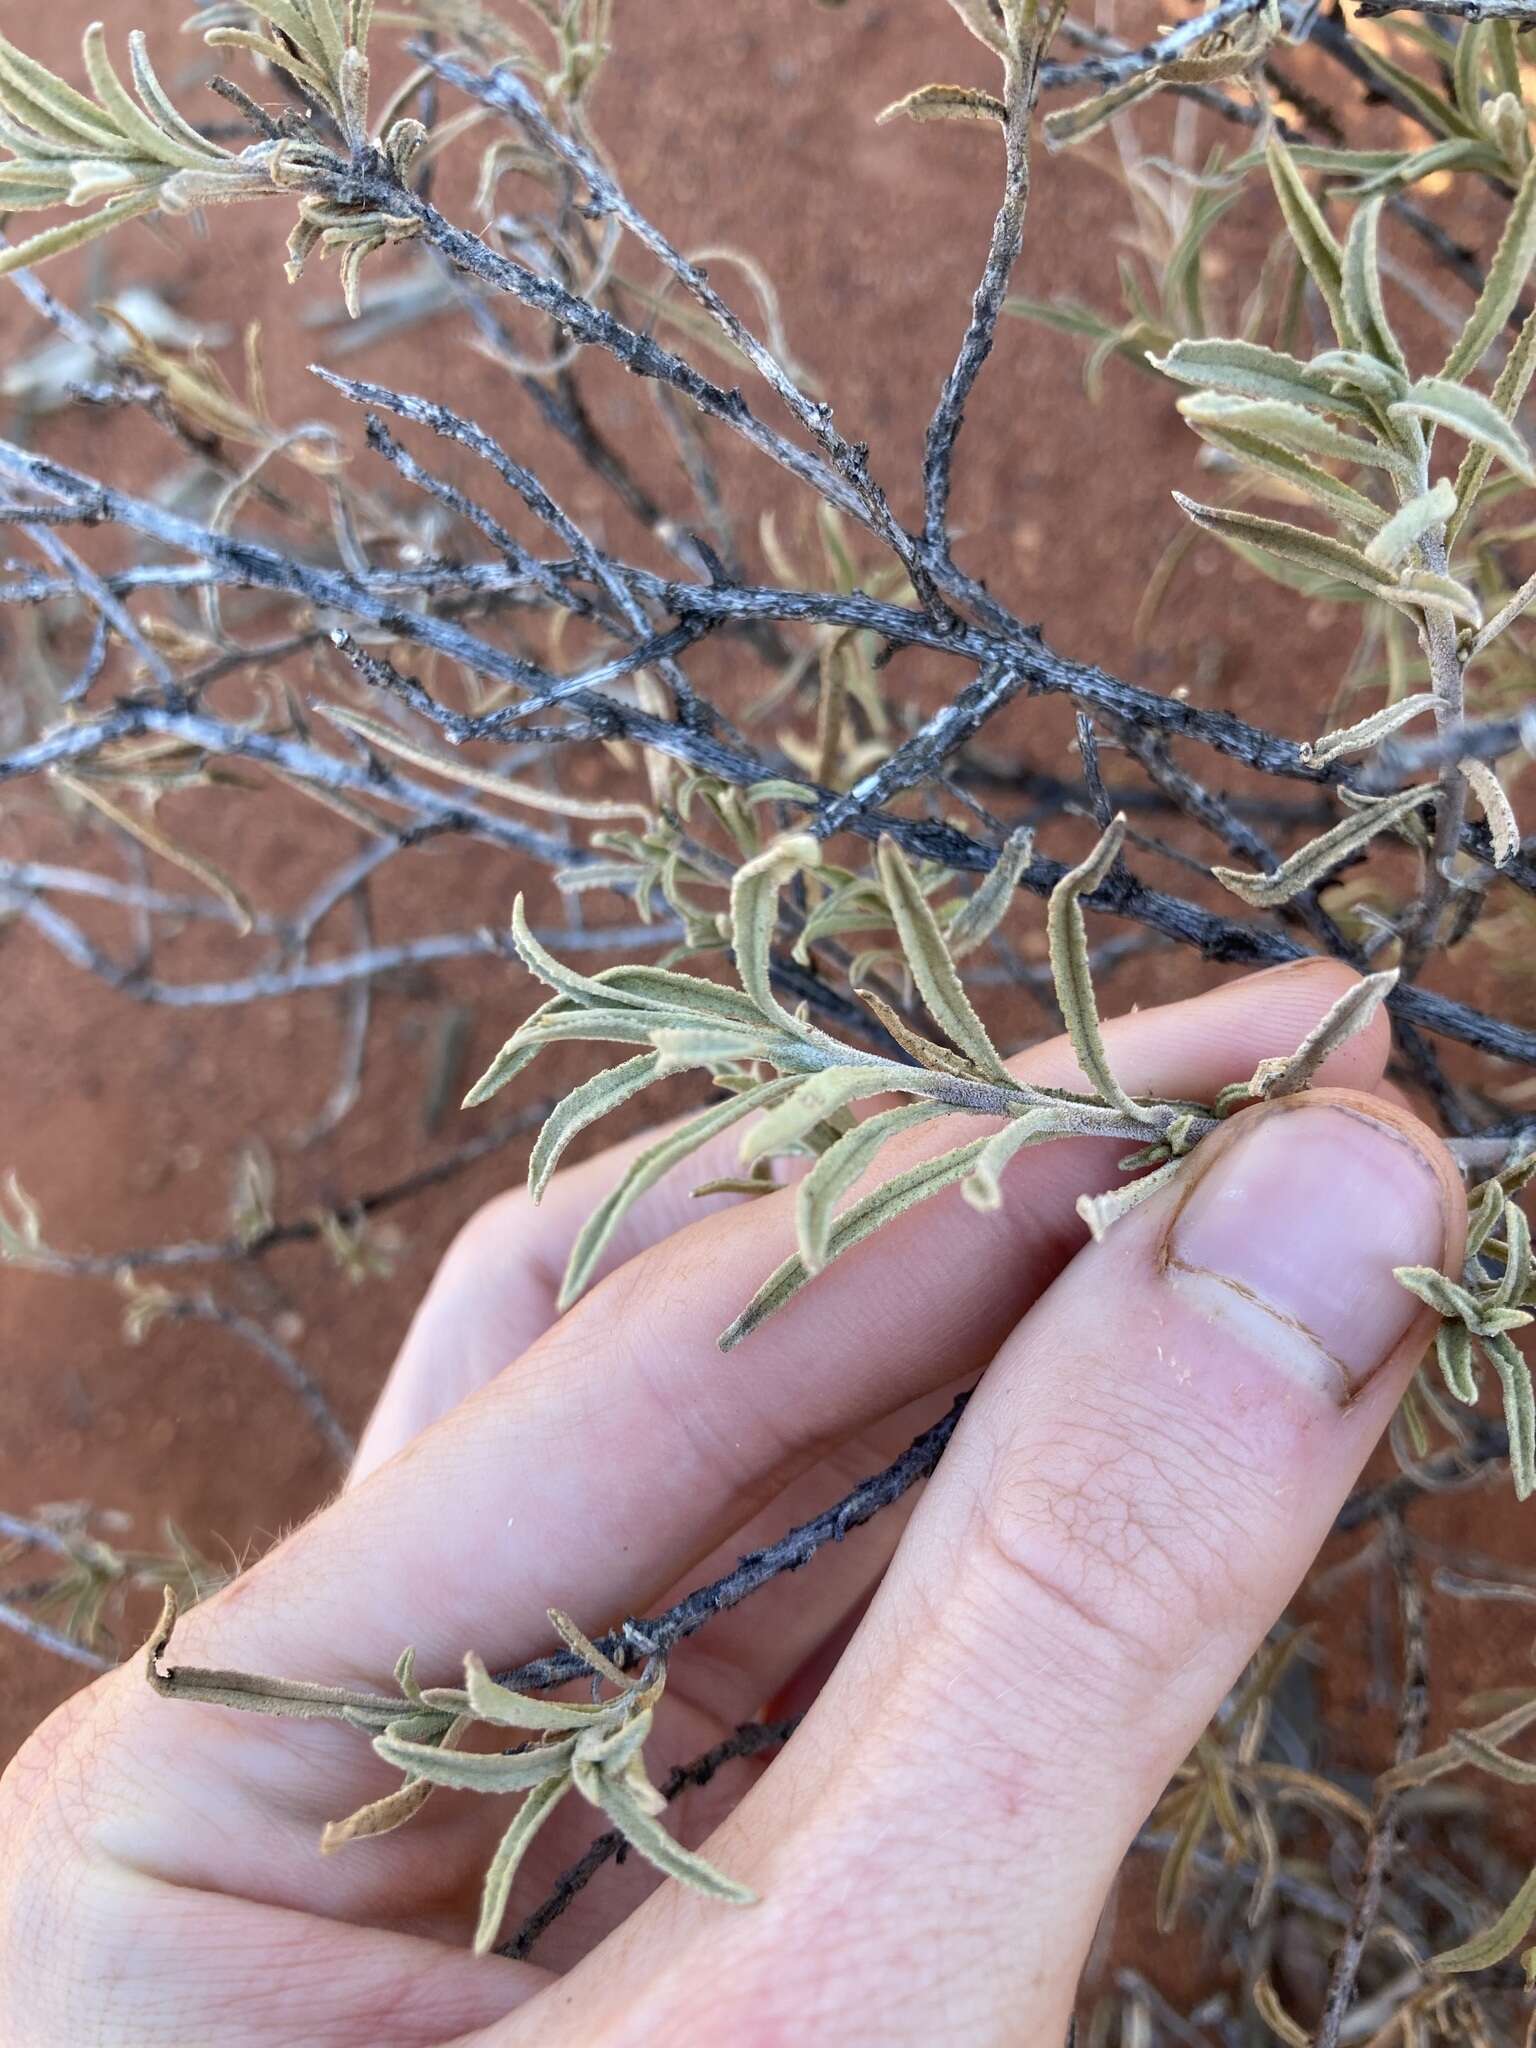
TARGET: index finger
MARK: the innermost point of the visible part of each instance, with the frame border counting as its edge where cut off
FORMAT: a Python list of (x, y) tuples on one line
[(622, 1447)]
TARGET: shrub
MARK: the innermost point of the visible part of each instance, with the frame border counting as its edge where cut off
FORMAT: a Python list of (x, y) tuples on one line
[(802, 823)]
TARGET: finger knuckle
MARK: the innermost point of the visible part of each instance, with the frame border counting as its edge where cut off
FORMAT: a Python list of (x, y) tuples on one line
[(1105, 1545), (48, 1874)]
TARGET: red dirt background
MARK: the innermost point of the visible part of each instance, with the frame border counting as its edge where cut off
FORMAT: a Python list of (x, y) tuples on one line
[(752, 127)]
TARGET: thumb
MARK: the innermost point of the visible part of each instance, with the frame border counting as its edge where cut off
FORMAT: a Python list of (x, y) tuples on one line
[(1139, 1484)]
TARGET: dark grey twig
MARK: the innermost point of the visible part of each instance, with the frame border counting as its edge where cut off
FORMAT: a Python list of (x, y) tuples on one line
[(1163, 49), (758, 1568), (1455, 10), (921, 757)]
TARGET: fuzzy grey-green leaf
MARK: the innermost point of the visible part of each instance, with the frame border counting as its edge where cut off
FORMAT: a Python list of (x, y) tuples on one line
[(933, 970), (1408, 525), (538, 1804), (1467, 413), (1314, 862), (647, 1167), (890, 1200), (1368, 732), (1073, 973), (584, 1105), (1507, 273), (843, 1163), (1495, 1943)]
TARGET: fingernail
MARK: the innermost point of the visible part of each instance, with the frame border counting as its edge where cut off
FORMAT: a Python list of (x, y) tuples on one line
[(1291, 1226)]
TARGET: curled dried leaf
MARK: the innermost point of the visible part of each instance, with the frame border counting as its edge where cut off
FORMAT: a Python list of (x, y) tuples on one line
[(1073, 972), (946, 103), (1314, 862)]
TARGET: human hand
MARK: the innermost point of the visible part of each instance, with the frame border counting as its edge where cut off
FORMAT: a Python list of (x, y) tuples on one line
[(1167, 1426)]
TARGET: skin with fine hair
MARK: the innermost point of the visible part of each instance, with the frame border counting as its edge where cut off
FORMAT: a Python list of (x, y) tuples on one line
[(999, 1680)]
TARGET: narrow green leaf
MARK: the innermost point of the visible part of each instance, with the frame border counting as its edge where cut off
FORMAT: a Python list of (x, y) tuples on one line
[(131, 122), (72, 234), (1453, 1355), (584, 1105), (1363, 302), (1519, 1410), (646, 1835), (1496, 807), (1367, 732), (1495, 1942), (157, 102), (815, 1100), (554, 1025), (982, 1185), (1485, 1215), (862, 1220), (1439, 1763), (1467, 71), (46, 102), (1410, 522), (1438, 1291), (1515, 1284), (1313, 237), (1367, 374), (1314, 862), (503, 1708), (1345, 1020), (1068, 938), (1507, 273), (1509, 391), (1291, 424), (1467, 413), (512, 1058), (662, 989), (531, 1815), (1336, 163), (986, 907), (1182, 288), (1505, 50), (1485, 1756), (932, 968), (1268, 458), (567, 981), (475, 1771), (1066, 316), (840, 1166), (1440, 115), (754, 919), (647, 1167), (1317, 553), (1248, 370)]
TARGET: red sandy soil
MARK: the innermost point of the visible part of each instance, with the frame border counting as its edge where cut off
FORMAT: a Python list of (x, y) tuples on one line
[(751, 127)]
